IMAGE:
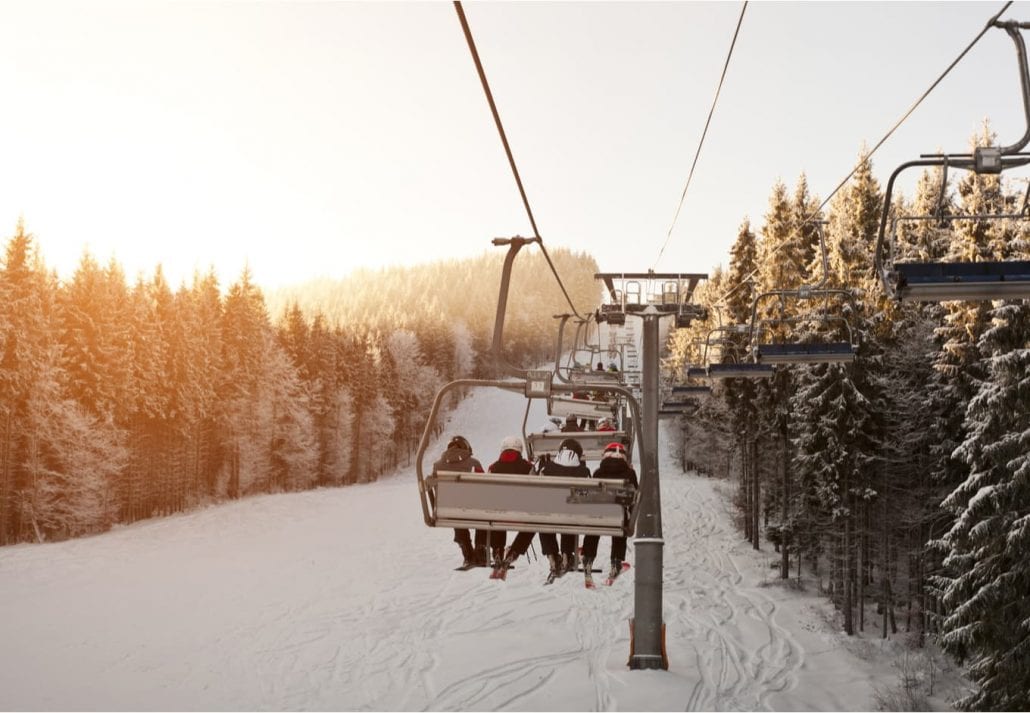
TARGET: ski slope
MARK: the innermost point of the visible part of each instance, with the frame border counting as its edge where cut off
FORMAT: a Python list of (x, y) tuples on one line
[(344, 599)]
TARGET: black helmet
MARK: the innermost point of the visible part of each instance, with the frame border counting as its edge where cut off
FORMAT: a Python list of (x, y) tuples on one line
[(460, 442), (572, 444)]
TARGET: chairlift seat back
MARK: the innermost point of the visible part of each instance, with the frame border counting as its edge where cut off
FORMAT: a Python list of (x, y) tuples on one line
[(595, 377), (740, 371), (593, 442), (701, 390), (532, 503), (806, 353), (942, 281), (579, 408)]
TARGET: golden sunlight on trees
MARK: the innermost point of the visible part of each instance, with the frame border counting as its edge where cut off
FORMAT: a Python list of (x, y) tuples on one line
[(120, 402)]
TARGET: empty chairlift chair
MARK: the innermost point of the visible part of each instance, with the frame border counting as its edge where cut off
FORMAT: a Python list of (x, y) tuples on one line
[(730, 366), (936, 281), (821, 345), (807, 352)]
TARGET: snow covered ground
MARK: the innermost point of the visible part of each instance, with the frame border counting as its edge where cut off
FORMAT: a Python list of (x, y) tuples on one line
[(344, 599)]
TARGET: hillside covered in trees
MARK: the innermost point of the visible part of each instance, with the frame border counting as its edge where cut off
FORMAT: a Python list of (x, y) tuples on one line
[(124, 401), (901, 480)]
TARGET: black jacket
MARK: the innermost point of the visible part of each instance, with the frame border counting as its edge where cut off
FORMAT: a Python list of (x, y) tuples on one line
[(457, 460), (616, 469), (552, 467)]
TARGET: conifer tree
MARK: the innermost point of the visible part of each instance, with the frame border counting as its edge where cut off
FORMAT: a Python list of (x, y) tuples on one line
[(985, 582), (837, 439), (245, 333), (27, 354), (73, 460)]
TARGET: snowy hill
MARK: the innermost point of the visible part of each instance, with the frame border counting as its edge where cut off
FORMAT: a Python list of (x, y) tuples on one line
[(343, 599)]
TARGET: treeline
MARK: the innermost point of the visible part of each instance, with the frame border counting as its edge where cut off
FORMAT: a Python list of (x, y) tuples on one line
[(125, 401), (903, 479), (459, 291)]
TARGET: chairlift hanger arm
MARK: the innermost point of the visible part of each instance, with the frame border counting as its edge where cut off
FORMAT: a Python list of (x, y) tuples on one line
[(558, 346), (1015, 31), (497, 349)]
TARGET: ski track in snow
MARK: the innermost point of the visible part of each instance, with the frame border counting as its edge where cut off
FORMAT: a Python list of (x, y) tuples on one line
[(343, 599), (742, 652)]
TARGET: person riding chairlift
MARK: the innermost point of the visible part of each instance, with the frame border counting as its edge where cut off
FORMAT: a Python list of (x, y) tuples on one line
[(510, 462), (571, 424), (614, 466), (458, 458), (566, 462)]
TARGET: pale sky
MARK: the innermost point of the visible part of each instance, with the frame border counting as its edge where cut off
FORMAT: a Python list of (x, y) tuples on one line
[(310, 139)]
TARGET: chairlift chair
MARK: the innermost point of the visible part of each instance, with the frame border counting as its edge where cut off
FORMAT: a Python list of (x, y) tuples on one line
[(592, 442), (692, 390), (487, 501), (941, 281), (577, 372), (808, 352), (512, 502), (676, 408), (730, 367)]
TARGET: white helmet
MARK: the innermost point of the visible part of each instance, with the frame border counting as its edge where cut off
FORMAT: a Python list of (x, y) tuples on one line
[(511, 443)]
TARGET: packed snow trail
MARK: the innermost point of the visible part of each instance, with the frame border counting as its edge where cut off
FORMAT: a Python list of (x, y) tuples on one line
[(343, 599)]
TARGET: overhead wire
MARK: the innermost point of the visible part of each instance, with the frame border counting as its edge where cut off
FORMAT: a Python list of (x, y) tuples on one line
[(744, 280), (507, 150), (704, 133)]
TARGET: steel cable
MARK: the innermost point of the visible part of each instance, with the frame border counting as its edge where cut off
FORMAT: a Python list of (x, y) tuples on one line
[(879, 143), (507, 150), (703, 134)]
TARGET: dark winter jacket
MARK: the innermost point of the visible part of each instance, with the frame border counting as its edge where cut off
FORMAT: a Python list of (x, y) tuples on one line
[(511, 462), (616, 469), (457, 460), (555, 467)]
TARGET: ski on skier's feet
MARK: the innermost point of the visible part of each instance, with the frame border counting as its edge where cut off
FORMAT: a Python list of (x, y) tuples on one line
[(501, 572), (466, 568), (623, 570)]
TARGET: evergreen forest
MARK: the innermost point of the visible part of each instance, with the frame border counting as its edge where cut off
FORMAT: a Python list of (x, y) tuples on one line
[(901, 481), (122, 401)]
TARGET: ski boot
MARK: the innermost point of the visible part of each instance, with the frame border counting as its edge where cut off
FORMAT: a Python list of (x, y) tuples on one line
[(482, 556), (556, 570), (588, 572), (502, 563), (468, 555), (568, 562)]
